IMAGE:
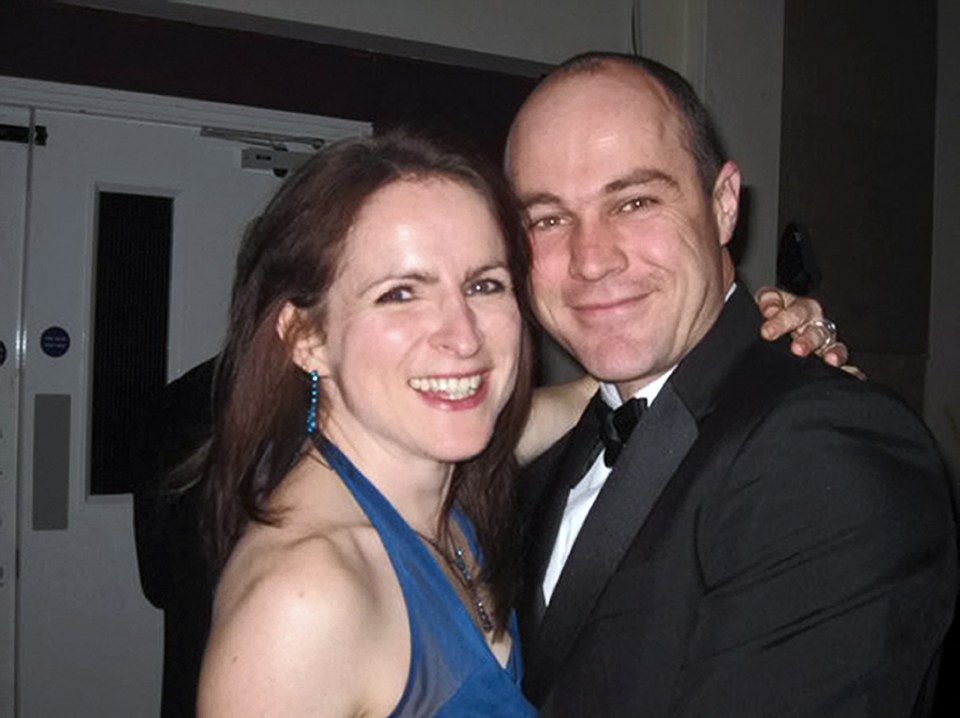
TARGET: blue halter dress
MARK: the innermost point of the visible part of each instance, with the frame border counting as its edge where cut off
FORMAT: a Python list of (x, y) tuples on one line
[(452, 671)]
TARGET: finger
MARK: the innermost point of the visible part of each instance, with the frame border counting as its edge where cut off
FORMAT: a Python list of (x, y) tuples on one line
[(793, 318), (769, 301), (855, 371), (803, 344), (778, 325), (835, 355), (811, 339)]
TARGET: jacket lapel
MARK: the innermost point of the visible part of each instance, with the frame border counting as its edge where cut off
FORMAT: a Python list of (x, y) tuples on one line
[(665, 433), (576, 456)]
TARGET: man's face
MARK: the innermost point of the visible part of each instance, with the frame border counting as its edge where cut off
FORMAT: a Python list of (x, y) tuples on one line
[(629, 266)]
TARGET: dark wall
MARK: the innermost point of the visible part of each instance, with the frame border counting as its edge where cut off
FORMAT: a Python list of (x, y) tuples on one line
[(859, 94), (70, 44)]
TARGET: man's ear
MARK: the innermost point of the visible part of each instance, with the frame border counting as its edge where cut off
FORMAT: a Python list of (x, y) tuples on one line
[(307, 348), (726, 200)]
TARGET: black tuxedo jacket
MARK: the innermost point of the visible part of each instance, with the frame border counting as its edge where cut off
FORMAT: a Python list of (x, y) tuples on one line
[(775, 539)]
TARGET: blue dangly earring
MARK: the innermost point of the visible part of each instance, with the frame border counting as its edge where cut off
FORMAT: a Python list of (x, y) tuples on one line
[(312, 411)]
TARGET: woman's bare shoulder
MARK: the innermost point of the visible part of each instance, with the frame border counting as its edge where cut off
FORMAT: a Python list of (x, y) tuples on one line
[(295, 621)]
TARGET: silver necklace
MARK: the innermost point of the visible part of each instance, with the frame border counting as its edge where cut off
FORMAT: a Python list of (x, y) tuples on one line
[(460, 569)]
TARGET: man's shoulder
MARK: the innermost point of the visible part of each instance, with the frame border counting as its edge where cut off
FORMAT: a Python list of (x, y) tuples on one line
[(770, 370), (771, 405), (816, 451), (769, 379), (793, 416)]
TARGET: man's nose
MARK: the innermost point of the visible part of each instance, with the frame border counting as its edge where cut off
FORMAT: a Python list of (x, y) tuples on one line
[(595, 252)]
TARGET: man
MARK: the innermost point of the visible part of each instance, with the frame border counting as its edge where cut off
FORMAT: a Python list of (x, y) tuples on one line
[(775, 537)]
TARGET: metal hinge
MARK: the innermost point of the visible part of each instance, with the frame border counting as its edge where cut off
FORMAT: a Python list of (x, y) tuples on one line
[(270, 151), (21, 134)]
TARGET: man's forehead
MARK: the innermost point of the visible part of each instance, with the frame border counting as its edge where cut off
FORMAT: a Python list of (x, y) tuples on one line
[(606, 139), (583, 103)]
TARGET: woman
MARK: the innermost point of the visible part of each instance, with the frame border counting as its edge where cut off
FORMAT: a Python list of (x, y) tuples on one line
[(378, 308), (387, 270)]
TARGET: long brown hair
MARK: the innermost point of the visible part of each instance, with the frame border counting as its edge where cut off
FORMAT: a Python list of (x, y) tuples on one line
[(291, 253)]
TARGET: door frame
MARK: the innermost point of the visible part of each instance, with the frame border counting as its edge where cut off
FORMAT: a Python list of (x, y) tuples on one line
[(44, 95)]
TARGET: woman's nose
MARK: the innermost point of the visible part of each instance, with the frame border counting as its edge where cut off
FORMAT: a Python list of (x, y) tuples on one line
[(457, 330)]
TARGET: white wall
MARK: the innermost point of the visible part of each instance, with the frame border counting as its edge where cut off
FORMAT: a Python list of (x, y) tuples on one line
[(541, 30), (743, 78), (942, 401), (674, 32), (544, 31)]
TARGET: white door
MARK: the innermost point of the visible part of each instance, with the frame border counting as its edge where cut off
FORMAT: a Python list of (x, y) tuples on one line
[(88, 643), (13, 198)]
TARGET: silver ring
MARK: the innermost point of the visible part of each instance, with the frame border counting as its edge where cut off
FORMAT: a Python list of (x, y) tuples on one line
[(829, 328)]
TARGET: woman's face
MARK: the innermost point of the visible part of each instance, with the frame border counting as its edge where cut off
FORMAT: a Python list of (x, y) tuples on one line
[(422, 331)]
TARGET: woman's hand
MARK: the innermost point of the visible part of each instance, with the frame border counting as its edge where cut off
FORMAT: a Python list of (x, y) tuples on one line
[(803, 318)]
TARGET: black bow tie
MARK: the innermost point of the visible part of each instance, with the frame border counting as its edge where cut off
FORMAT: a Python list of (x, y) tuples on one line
[(615, 426)]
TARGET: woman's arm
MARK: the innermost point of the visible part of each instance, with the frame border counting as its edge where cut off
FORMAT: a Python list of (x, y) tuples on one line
[(554, 412)]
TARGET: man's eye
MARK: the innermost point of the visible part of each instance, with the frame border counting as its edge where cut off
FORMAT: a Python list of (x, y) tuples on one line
[(396, 294), (485, 286), (637, 203), (546, 222)]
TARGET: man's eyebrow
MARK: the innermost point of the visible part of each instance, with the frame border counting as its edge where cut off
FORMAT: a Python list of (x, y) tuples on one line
[(531, 200), (635, 178), (640, 177)]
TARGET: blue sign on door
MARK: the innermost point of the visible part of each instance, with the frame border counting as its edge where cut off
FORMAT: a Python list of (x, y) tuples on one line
[(55, 341)]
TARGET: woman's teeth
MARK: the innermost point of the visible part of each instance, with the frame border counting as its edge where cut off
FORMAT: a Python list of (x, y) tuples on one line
[(452, 388)]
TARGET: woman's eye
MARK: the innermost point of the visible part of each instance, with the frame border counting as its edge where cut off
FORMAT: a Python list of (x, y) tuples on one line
[(396, 294), (486, 285)]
